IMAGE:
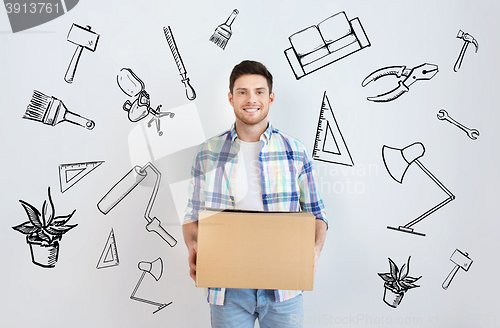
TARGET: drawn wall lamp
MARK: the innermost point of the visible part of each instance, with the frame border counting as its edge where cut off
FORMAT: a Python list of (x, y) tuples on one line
[(155, 269), (123, 187), (397, 161), (133, 86)]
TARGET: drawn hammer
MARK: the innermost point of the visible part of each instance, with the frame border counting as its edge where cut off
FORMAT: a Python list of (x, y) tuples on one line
[(461, 260), (83, 37), (467, 39)]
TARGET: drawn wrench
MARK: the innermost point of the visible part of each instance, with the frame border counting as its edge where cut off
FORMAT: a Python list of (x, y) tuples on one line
[(443, 115)]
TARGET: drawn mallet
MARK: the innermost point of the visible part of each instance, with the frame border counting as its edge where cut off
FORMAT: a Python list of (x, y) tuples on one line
[(83, 37), (190, 94), (51, 111), (223, 32), (462, 261)]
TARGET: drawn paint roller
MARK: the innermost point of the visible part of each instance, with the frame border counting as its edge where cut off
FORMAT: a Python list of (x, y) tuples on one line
[(51, 111), (462, 261), (123, 187), (83, 37)]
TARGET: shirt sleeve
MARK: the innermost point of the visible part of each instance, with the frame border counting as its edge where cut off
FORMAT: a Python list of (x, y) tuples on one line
[(310, 200), (196, 187)]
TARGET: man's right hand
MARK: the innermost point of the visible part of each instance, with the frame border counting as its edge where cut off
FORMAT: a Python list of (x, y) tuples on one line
[(192, 260)]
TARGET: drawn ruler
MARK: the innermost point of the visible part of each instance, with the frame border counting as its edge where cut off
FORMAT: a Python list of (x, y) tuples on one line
[(190, 93), (69, 174), (329, 144), (109, 256)]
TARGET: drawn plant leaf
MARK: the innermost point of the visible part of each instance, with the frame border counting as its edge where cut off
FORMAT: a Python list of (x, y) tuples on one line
[(33, 213), (60, 220), (26, 228), (394, 269), (41, 234), (386, 276), (51, 211), (403, 272), (412, 279), (44, 214), (407, 268), (408, 285), (60, 230)]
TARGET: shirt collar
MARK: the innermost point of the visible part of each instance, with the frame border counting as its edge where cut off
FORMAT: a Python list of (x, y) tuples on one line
[(265, 136)]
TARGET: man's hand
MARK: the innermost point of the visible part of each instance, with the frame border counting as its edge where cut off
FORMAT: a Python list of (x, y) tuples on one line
[(316, 258), (190, 231), (319, 241), (192, 260)]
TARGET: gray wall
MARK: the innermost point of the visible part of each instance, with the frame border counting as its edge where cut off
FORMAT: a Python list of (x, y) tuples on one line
[(361, 200)]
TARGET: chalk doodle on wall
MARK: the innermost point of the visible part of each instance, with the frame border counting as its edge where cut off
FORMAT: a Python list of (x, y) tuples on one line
[(69, 174), (397, 161), (444, 116), (461, 261), (133, 86), (223, 32), (320, 45), (84, 38), (190, 93), (397, 282), (109, 255), (467, 38), (44, 232), (124, 186), (155, 269), (329, 144), (406, 77), (52, 111)]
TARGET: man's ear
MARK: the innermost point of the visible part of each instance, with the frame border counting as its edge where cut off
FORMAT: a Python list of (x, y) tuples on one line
[(230, 97), (271, 98)]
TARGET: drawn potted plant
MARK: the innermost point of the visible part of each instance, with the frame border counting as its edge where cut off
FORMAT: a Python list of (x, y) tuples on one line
[(397, 283), (44, 231)]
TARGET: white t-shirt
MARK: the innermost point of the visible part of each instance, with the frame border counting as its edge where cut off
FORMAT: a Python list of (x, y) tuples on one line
[(248, 193)]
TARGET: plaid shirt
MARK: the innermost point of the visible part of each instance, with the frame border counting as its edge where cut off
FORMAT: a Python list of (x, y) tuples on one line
[(287, 181)]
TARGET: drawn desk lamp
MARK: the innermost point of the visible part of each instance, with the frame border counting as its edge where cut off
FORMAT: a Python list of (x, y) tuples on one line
[(397, 161), (123, 187), (155, 269), (133, 86)]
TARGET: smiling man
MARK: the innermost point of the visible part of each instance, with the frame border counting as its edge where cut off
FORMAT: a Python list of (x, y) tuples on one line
[(235, 170)]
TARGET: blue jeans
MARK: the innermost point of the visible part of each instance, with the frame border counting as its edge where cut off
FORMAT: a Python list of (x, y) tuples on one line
[(242, 306)]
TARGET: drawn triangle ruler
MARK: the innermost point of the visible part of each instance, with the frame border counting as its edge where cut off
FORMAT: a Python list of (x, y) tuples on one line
[(329, 145), (69, 174), (109, 256)]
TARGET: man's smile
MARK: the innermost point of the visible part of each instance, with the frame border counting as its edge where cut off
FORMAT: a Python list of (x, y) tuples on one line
[(251, 109)]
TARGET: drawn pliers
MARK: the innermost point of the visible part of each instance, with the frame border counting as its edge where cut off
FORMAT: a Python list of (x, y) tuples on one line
[(406, 76)]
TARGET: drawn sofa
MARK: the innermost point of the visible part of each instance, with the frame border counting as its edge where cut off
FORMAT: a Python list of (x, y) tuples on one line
[(319, 45)]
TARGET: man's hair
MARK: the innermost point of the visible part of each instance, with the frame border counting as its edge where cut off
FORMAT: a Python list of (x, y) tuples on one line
[(250, 67)]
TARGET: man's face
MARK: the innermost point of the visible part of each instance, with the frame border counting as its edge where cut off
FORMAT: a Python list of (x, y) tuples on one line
[(251, 99)]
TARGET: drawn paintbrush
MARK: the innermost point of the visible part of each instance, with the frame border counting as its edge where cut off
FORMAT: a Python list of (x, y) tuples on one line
[(223, 32), (51, 111), (190, 94)]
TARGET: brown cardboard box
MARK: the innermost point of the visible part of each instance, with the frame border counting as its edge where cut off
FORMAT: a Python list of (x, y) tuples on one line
[(261, 250)]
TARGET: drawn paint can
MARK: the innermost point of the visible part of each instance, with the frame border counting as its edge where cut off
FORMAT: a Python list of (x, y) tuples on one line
[(121, 189)]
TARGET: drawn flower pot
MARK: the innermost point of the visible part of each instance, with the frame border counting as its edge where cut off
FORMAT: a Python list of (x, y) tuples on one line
[(392, 298), (42, 254), (397, 283), (44, 231)]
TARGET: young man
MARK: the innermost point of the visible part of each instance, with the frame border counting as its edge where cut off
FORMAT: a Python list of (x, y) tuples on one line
[(252, 166)]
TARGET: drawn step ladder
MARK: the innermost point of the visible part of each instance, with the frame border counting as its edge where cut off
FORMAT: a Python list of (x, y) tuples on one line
[(329, 145), (69, 174), (109, 256)]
